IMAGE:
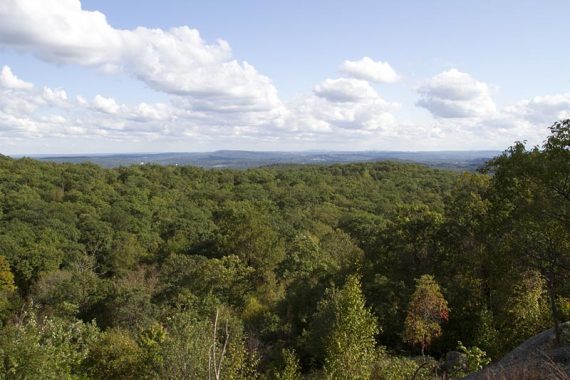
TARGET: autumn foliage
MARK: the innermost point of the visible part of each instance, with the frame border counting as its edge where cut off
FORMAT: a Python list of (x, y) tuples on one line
[(427, 310)]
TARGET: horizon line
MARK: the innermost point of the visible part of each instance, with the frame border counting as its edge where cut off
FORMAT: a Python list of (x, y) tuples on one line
[(42, 155)]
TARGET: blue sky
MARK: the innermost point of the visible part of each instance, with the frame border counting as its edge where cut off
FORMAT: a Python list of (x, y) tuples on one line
[(359, 75)]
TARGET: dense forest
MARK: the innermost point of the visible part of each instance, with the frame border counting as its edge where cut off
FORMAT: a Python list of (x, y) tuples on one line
[(353, 271)]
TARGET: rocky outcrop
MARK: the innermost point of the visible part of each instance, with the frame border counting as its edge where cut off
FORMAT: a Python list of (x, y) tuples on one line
[(536, 358)]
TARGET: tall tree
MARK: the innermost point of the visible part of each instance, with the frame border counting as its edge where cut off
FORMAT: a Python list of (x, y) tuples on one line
[(350, 343), (427, 310), (526, 310), (533, 189)]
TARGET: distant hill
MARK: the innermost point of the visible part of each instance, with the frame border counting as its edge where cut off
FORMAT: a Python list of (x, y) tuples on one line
[(456, 160)]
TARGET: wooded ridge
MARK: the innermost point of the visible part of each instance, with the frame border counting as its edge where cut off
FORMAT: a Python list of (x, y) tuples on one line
[(359, 271)]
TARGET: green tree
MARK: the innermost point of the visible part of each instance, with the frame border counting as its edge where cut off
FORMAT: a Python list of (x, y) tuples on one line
[(475, 359), (350, 342), (306, 259), (45, 348), (533, 192), (6, 276), (115, 355), (291, 369), (467, 263), (526, 310), (188, 350), (247, 232), (74, 290), (409, 242), (426, 312)]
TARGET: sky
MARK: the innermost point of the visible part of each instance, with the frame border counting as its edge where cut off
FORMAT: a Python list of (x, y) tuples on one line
[(107, 76)]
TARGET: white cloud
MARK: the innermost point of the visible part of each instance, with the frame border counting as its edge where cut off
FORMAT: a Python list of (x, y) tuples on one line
[(213, 94), (148, 112), (341, 104), (345, 90), (343, 113), (370, 70), (218, 99), (542, 109), (81, 101), (54, 96), (10, 81), (176, 61), (454, 94), (60, 31), (466, 114), (106, 105), (48, 113), (179, 62)]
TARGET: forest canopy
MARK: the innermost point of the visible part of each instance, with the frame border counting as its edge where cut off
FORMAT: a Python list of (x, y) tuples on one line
[(283, 272)]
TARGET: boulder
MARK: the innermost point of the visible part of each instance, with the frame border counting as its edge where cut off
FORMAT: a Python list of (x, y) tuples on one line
[(455, 361), (536, 358)]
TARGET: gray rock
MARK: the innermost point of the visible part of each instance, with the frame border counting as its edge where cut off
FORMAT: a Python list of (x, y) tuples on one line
[(536, 358), (455, 361)]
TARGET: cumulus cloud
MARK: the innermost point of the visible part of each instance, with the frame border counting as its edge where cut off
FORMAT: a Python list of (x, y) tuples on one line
[(106, 105), (343, 103), (345, 90), (454, 94), (370, 70), (56, 96), (466, 117), (49, 113), (156, 112), (176, 61), (10, 81), (344, 113), (212, 94), (213, 97), (542, 109), (60, 31)]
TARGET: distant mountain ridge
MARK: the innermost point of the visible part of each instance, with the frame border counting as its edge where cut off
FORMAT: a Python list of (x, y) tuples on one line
[(240, 159)]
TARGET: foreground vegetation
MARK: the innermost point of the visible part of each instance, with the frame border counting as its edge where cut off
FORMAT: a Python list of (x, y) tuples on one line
[(346, 271)]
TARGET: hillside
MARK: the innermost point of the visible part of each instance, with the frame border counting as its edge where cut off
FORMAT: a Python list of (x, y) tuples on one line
[(285, 272), (457, 160)]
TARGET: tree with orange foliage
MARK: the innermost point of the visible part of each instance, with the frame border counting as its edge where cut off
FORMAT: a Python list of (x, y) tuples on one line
[(7, 286), (427, 310)]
